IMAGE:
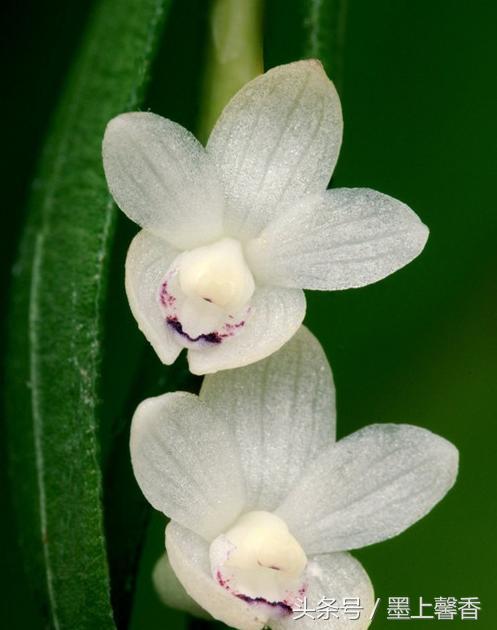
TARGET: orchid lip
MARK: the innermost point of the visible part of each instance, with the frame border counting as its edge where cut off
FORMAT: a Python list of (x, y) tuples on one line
[(285, 608), (281, 608), (258, 561), (196, 321)]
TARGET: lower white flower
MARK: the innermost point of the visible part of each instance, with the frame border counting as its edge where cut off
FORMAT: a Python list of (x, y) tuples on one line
[(264, 503)]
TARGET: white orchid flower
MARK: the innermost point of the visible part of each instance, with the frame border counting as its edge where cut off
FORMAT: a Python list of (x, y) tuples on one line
[(232, 233), (264, 504)]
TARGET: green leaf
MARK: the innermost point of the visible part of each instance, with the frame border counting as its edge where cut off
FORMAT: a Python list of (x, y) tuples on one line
[(131, 371), (55, 346)]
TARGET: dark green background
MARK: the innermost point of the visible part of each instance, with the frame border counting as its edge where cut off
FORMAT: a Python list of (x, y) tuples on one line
[(418, 87)]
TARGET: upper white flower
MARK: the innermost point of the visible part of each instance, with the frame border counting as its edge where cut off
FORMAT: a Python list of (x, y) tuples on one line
[(264, 503), (232, 233)]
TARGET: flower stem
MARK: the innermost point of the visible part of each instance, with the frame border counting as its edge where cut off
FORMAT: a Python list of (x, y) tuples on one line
[(234, 55)]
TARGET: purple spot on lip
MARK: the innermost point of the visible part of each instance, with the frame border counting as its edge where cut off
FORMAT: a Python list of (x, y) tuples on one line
[(285, 608), (166, 298), (231, 328), (221, 580), (212, 337)]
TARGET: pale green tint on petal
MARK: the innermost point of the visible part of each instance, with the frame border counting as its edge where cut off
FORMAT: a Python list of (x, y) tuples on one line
[(277, 140), (172, 592), (275, 316), (344, 238), (340, 577), (189, 558), (186, 463), (147, 262), (369, 486), (282, 410), (162, 178)]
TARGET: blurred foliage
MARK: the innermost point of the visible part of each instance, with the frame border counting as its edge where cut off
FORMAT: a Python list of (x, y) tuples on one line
[(55, 328), (418, 89)]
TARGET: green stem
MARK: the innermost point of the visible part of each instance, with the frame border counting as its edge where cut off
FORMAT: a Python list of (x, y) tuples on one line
[(234, 55)]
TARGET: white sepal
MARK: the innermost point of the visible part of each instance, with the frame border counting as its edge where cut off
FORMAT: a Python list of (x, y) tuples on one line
[(370, 486), (277, 140), (282, 410), (162, 178), (186, 462), (344, 238)]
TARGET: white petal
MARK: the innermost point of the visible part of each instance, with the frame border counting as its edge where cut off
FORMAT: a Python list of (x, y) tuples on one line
[(339, 577), (186, 462), (275, 316), (276, 140), (282, 410), (147, 262), (344, 238), (189, 557), (370, 486), (172, 592), (162, 178)]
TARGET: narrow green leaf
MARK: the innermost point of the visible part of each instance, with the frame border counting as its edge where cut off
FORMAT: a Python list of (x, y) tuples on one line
[(55, 341), (132, 371)]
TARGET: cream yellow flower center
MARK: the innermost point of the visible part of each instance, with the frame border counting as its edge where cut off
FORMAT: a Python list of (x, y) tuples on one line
[(218, 274), (260, 561)]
